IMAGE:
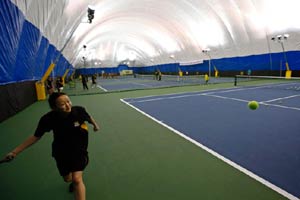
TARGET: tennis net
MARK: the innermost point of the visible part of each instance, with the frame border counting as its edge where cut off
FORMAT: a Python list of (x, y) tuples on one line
[(277, 82), (173, 78)]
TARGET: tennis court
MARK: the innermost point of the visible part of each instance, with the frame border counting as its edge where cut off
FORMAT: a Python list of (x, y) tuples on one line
[(264, 143), (140, 82), (133, 157)]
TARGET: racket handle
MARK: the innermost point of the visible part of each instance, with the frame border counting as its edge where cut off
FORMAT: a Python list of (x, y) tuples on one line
[(7, 159)]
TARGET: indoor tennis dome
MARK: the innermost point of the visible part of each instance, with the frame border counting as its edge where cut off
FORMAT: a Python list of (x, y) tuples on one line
[(99, 36)]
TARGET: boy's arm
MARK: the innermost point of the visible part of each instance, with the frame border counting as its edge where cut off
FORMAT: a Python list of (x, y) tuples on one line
[(28, 142), (94, 123)]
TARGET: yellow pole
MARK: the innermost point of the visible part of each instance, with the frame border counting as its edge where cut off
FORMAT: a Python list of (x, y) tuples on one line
[(64, 76), (40, 85), (288, 73), (216, 72), (180, 73), (287, 66), (48, 72)]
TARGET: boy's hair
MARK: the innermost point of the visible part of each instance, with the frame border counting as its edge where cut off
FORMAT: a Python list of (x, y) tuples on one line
[(53, 97)]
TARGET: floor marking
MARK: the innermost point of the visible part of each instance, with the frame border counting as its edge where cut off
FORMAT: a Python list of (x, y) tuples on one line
[(102, 88), (221, 97), (196, 94), (164, 98), (140, 84), (219, 156), (288, 97), (261, 102), (279, 106), (211, 94)]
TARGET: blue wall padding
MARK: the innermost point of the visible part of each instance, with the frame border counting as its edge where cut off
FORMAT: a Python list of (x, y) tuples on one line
[(11, 22), (273, 61), (25, 54), (87, 71), (40, 59), (123, 67)]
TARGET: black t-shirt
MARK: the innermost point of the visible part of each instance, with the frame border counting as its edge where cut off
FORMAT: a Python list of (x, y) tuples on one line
[(70, 131)]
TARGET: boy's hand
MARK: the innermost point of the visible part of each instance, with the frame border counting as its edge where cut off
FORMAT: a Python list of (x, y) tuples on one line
[(9, 157), (96, 128)]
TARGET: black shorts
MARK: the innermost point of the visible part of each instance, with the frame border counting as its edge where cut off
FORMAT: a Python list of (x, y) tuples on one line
[(71, 163)]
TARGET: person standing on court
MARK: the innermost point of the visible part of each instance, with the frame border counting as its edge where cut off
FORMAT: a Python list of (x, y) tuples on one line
[(94, 82), (84, 82), (69, 147), (206, 78), (49, 85), (59, 84)]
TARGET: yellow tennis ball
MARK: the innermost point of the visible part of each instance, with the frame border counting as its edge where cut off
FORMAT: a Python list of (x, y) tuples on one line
[(253, 105)]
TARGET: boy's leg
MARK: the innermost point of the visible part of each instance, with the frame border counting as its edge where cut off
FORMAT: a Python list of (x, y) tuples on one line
[(79, 187), (68, 178)]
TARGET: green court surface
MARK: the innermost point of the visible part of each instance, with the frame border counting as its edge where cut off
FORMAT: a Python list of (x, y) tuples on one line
[(132, 157)]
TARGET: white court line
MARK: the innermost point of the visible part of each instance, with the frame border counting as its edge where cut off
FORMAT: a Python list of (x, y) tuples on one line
[(102, 88), (211, 94), (164, 98), (221, 97), (162, 95), (261, 102), (236, 90), (176, 96), (139, 84), (199, 93), (249, 88), (219, 156), (278, 99), (280, 106)]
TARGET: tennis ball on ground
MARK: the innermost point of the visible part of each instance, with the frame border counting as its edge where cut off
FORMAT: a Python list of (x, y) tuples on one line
[(253, 105)]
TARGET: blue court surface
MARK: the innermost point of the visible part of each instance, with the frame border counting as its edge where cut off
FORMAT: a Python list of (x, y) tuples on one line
[(264, 143)]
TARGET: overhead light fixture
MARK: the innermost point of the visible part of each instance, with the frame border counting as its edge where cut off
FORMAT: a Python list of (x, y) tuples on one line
[(91, 13), (280, 38), (206, 50), (286, 36)]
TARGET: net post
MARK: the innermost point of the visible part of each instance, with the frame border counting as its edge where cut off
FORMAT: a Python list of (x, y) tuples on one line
[(288, 74), (235, 80)]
